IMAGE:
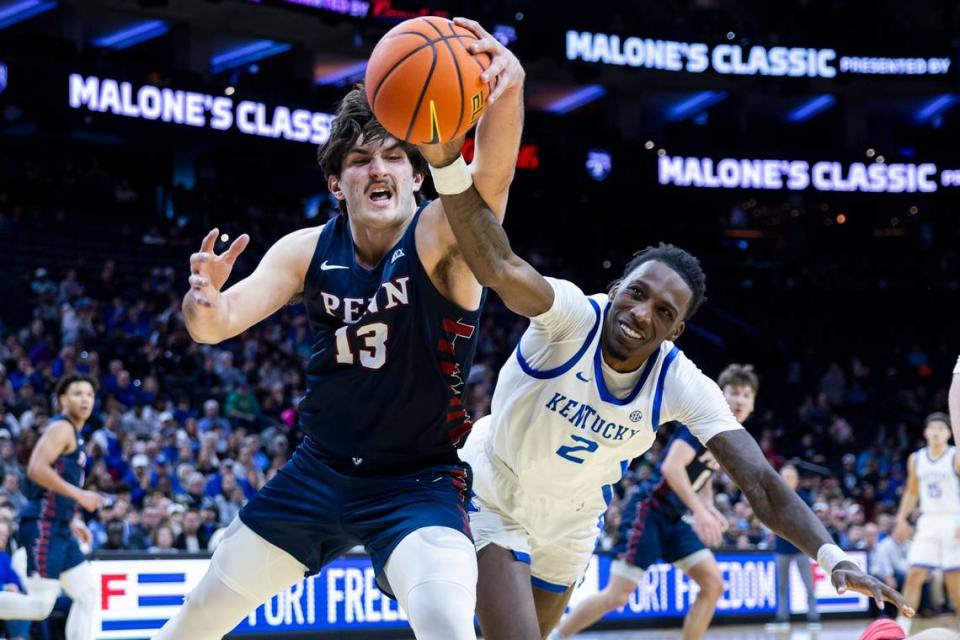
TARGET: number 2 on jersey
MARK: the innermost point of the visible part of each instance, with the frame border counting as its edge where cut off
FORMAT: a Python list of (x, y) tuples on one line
[(588, 446), (373, 353)]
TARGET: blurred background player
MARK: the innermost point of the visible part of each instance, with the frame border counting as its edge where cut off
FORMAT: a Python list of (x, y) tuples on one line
[(49, 526), (788, 554), (933, 486), (655, 525), (589, 375), (395, 311)]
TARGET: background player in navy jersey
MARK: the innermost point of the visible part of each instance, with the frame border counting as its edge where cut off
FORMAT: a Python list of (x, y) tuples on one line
[(628, 334), (394, 309), (49, 528), (653, 526)]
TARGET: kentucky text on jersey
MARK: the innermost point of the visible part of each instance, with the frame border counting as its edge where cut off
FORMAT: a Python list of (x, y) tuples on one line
[(390, 294), (585, 417)]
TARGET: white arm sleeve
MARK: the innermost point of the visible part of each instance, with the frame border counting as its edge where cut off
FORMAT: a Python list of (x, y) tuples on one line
[(695, 400), (556, 334), (956, 369)]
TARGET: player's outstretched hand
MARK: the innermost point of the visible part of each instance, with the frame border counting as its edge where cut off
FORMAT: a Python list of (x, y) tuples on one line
[(209, 271), (505, 70), (846, 575)]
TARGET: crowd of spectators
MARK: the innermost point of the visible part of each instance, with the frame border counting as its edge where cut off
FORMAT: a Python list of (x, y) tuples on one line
[(183, 434)]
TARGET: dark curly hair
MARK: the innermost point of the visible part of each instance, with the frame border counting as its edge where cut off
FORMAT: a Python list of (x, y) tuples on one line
[(685, 264), (354, 119), (63, 384)]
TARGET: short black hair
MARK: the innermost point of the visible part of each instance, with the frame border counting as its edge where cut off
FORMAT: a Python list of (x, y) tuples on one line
[(936, 416), (354, 119), (684, 263), (63, 384)]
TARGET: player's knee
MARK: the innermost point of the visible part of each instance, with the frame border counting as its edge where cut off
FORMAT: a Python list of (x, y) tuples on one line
[(441, 610), (711, 586), (916, 575), (617, 598)]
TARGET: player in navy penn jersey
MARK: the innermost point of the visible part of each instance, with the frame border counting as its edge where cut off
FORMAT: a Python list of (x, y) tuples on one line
[(49, 528), (395, 310), (654, 523)]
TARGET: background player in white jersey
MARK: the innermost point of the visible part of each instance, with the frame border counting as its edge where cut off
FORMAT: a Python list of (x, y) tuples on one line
[(591, 380), (654, 522), (932, 481), (954, 400)]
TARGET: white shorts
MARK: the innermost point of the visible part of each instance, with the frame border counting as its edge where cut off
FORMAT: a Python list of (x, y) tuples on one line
[(935, 544), (499, 516)]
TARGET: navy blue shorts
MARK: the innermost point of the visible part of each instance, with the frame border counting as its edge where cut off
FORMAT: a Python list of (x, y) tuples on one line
[(648, 535), (316, 514), (51, 547)]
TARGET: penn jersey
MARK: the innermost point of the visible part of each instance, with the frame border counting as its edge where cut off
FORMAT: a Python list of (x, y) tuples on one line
[(699, 472), (567, 425), (939, 484), (48, 505), (390, 359)]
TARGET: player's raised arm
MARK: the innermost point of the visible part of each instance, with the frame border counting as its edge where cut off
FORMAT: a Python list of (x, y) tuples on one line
[(484, 244), (211, 316), (781, 509), (497, 141)]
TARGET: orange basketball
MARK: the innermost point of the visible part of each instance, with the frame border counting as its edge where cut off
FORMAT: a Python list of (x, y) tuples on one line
[(423, 84)]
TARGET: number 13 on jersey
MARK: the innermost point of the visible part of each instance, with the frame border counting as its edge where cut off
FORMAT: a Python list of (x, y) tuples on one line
[(369, 341)]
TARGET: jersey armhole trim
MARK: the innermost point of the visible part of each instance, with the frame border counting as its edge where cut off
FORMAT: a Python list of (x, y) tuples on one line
[(557, 371), (658, 394)]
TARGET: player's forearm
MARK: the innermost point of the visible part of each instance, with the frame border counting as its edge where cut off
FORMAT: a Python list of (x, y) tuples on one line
[(677, 479), (46, 477), (205, 325), (908, 503), (498, 146), (487, 252), (776, 504)]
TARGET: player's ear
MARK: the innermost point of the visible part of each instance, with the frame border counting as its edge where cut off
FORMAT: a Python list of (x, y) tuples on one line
[(333, 186), (613, 287), (417, 181), (678, 331)]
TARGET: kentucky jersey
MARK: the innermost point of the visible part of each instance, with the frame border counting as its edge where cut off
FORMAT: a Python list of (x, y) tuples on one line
[(939, 483), (389, 362), (48, 505), (699, 472), (564, 425)]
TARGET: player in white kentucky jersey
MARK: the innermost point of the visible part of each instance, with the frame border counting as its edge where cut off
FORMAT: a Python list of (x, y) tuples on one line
[(591, 380), (933, 481)]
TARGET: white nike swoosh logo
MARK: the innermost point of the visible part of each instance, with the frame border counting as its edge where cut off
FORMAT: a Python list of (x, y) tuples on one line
[(327, 267)]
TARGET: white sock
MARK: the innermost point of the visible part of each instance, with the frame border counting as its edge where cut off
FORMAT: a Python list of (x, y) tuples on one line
[(904, 622)]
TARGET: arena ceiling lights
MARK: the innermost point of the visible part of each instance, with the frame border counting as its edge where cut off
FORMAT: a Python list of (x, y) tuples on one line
[(20, 10), (245, 54), (132, 35), (811, 108), (695, 104)]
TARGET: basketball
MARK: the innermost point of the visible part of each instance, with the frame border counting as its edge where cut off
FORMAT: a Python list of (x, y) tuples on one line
[(422, 82), (883, 629)]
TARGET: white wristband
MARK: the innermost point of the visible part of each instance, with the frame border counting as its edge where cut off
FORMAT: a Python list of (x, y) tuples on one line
[(452, 179), (829, 555)]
